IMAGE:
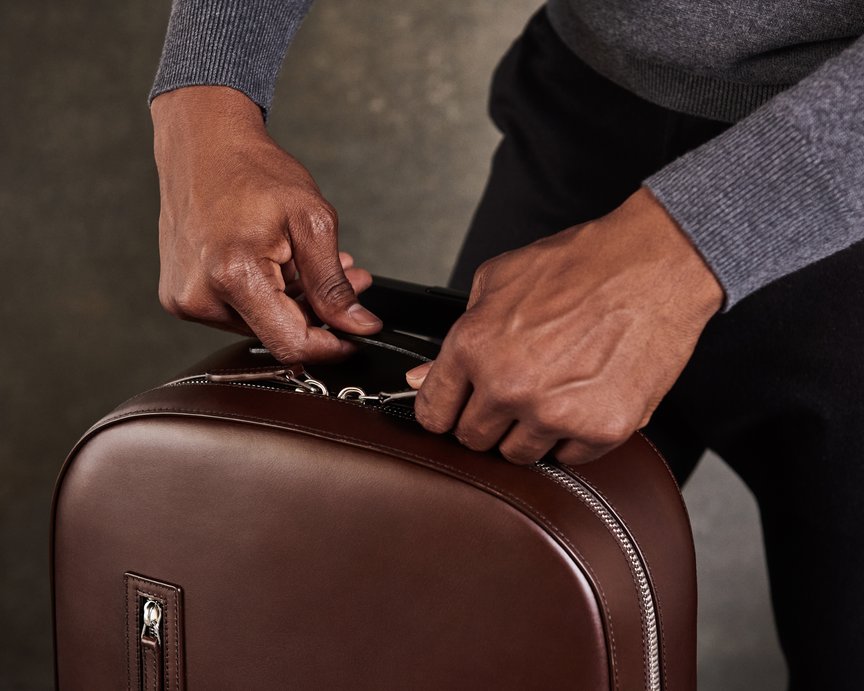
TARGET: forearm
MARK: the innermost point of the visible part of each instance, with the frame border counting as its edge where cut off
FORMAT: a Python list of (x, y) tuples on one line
[(781, 189), (236, 43)]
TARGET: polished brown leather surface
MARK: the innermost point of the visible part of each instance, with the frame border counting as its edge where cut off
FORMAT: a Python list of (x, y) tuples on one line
[(323, 544)]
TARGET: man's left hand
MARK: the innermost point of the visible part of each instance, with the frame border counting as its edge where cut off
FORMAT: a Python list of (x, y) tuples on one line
[(569, 344)]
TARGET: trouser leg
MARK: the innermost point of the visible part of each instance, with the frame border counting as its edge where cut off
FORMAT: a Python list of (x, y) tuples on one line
[(775, 386)]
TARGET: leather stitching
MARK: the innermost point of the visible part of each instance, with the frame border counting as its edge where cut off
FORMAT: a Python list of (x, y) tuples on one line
[(526, 507), (175, 617), (128, 670)]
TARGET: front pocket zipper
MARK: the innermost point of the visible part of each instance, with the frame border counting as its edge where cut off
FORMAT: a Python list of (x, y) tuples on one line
[(154, 635), (150, 646)]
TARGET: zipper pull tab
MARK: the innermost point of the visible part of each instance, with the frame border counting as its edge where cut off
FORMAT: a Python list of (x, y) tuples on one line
[(263, 375), (151, 646), (152, 616), (284, 376), (386, 397), (355, 393)]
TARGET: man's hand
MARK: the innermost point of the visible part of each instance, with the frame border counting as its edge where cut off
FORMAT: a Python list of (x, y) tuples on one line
[(569, 344), (240, 218)]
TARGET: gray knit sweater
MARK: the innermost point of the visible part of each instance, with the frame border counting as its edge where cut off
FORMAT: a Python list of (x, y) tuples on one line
[(781, 189)]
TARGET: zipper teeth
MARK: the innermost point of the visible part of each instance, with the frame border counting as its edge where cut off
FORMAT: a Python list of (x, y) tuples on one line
[(248, 385), (393, 411), (646, 597)]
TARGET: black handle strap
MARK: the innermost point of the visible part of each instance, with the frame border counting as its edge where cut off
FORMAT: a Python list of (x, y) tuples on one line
[(412, 308)]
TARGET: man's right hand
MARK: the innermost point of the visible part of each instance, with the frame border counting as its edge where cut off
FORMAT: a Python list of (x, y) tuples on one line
[(239, 219)]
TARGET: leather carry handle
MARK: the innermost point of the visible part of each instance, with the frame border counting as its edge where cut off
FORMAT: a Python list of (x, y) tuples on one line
[(413, 308)]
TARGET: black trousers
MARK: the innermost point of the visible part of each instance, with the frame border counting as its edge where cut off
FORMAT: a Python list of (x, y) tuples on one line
[(776, 385)]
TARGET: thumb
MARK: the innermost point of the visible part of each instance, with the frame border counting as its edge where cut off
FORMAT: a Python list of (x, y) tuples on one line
[(328, 291), (417, 376)]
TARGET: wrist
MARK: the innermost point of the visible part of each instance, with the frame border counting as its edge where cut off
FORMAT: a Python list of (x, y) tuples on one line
[(650, 231), (703, 289), (199, 110), (193, 123)]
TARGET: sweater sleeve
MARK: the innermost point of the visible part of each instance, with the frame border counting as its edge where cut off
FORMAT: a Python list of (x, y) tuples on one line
[(782, 188), (236, 43)]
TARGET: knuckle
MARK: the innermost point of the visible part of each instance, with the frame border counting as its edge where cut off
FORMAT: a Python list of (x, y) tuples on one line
[(571, 457), (333, 289), (287, 351), (517, 454), (169, 304), (551, 419), (481, 275), (465, 340), (228, 276), (611, 431), (189, 304), (429, 419), (322, 219), (469, 439), (500, 394)]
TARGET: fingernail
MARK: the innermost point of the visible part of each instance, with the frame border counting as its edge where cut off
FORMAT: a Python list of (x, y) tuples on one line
[(362, 316), (417, 375)]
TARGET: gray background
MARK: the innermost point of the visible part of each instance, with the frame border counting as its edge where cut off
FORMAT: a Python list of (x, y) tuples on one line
[(385, 103)]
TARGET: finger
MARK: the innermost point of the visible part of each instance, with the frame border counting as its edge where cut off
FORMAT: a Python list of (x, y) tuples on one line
[(443, 393), (524, 446), (576, 452), (360, 279), (278, 320), (238, 327), (313, 239), (293, 287), (311, 318), (415, 377), (229, 320), (215, 313), (481, 426)]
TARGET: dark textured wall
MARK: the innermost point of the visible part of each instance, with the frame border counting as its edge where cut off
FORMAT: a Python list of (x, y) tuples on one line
[(385, 102)]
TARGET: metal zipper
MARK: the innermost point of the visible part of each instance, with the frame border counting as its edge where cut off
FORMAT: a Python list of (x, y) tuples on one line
[(648, 609), (285, 380), (152, 671), (152, 616)]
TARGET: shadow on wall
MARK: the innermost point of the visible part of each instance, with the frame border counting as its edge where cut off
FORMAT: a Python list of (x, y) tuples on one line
[(385, 103)]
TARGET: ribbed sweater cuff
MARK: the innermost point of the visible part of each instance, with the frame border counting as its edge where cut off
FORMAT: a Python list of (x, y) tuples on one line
[(236, 43), (756, 201)]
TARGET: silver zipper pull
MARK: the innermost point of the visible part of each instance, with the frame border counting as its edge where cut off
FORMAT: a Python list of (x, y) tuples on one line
[(152, 616), (282, 375), (386, 397), (355, 393), (151, 668), (263, 375)]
